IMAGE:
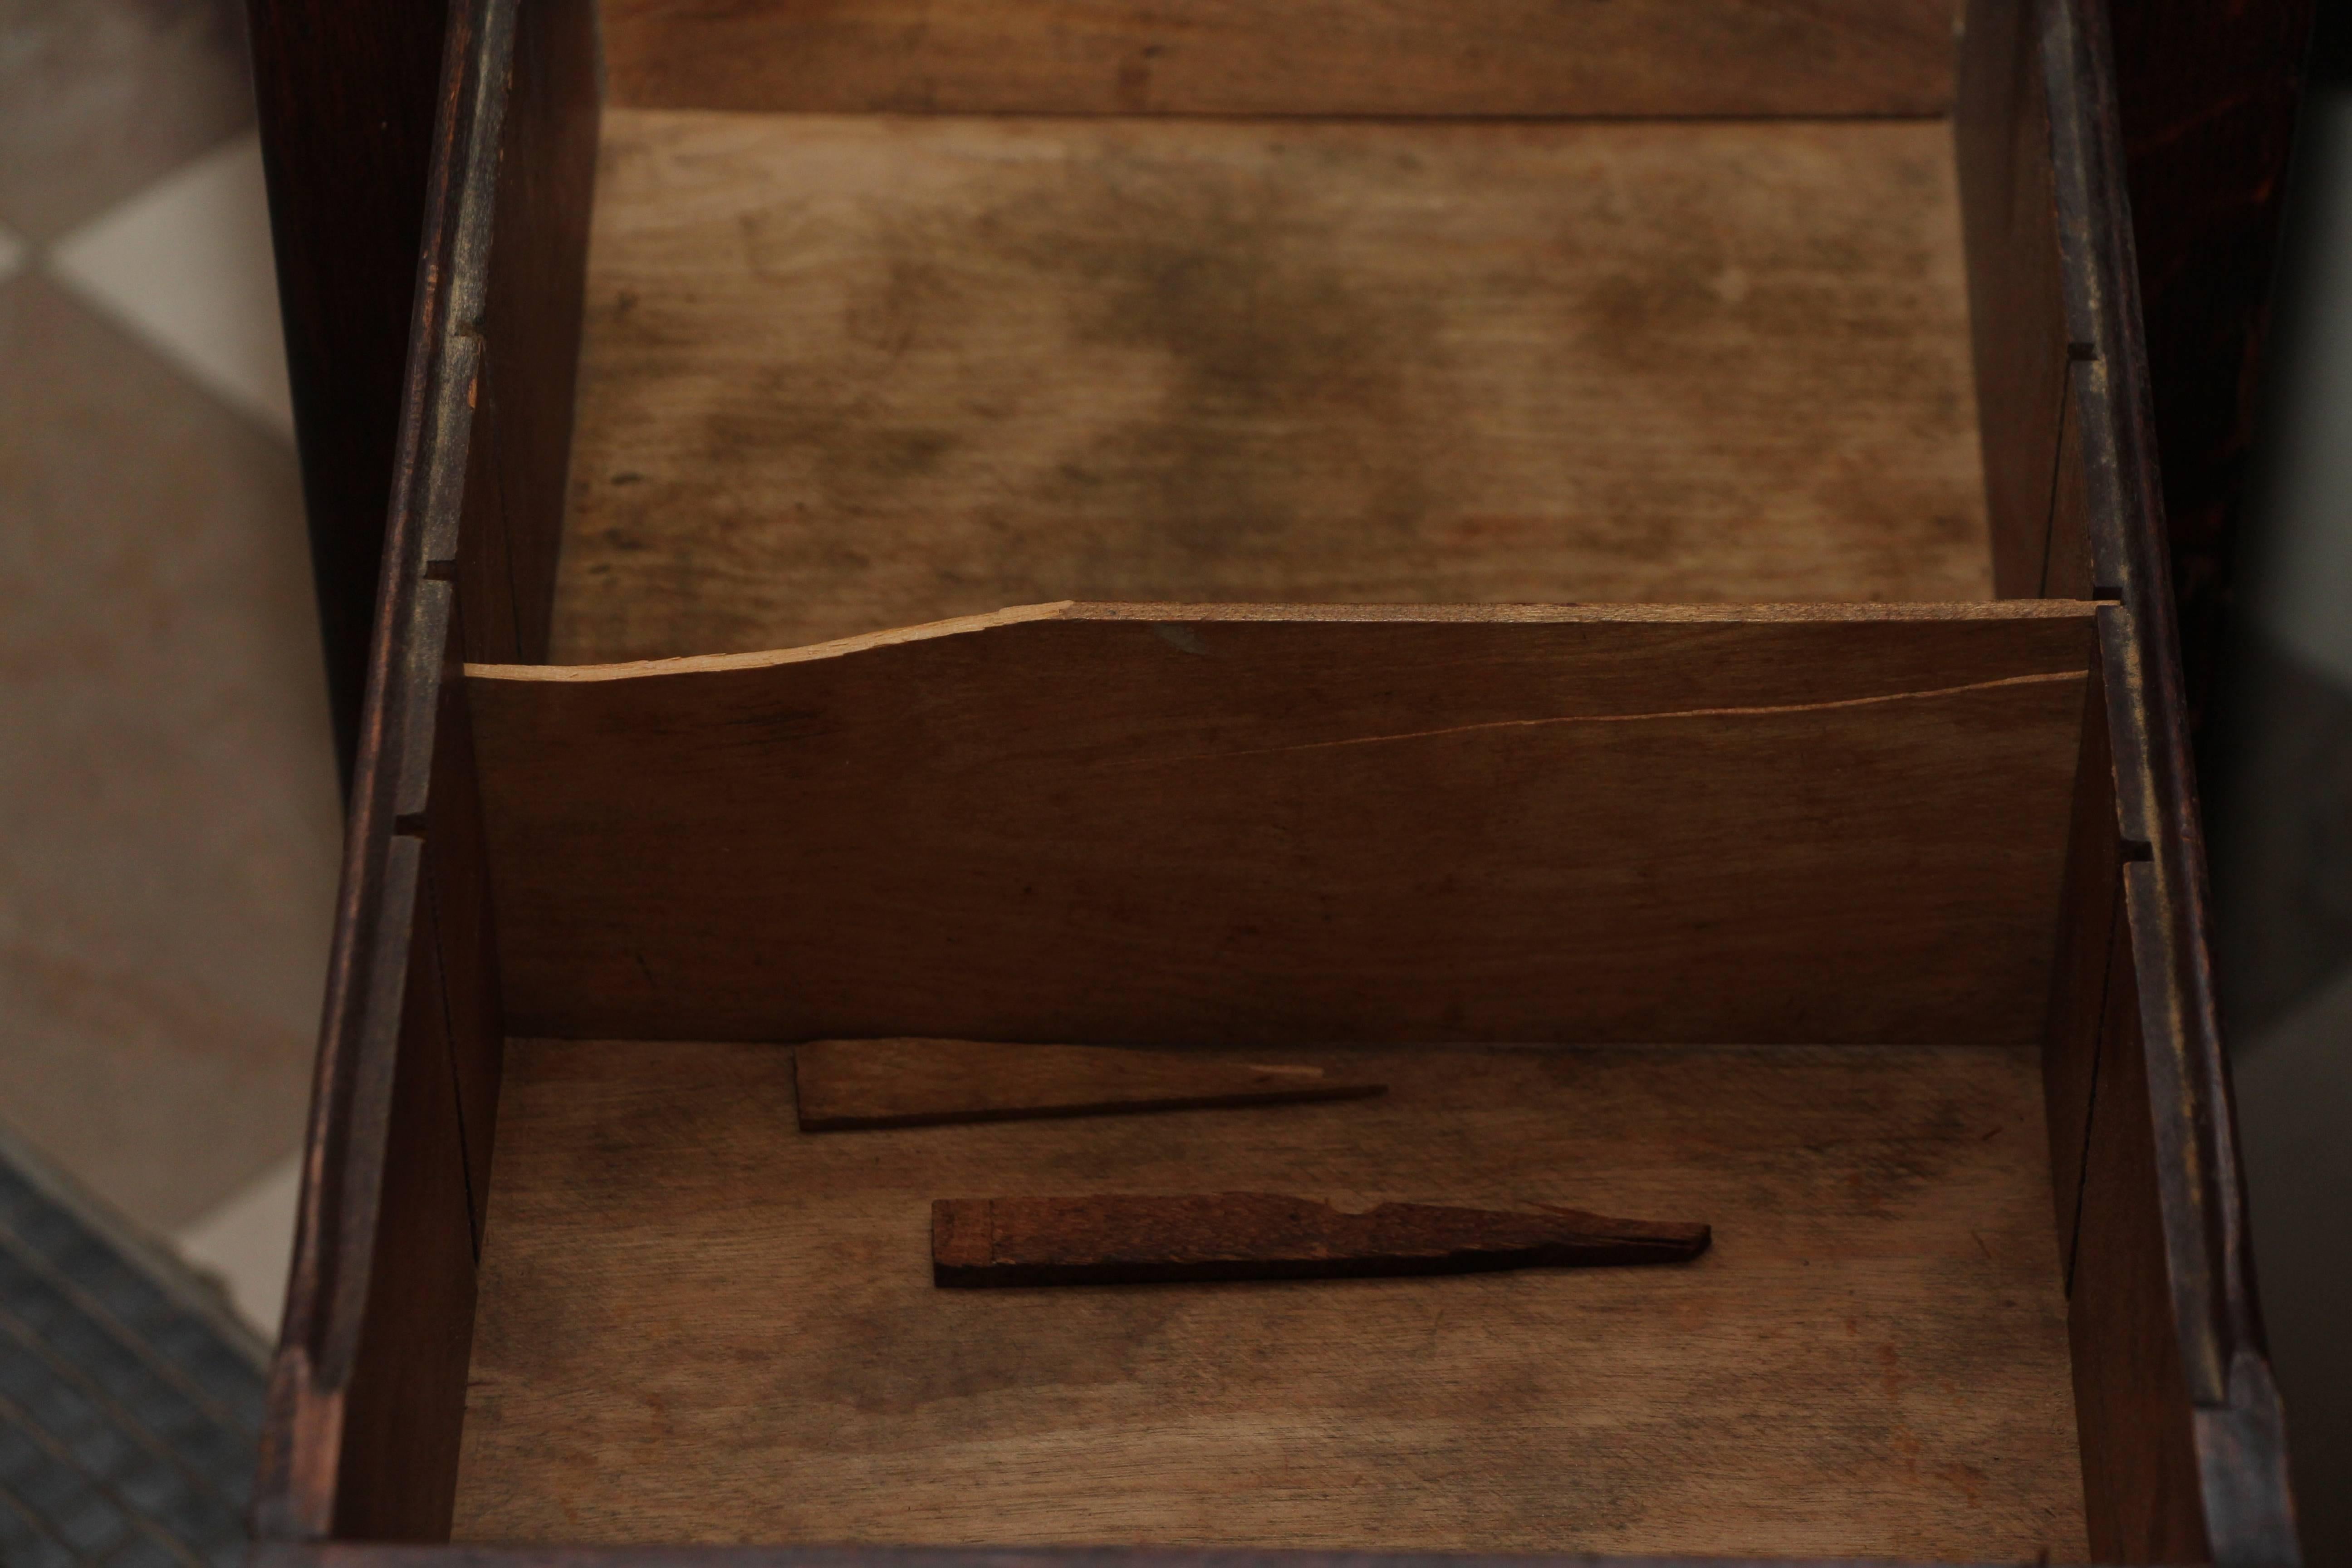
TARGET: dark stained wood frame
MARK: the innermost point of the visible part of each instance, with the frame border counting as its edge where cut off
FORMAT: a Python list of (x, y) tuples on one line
[(2183, 1439)]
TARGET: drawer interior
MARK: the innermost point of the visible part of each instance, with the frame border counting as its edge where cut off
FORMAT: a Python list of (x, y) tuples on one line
[(1448, 541), (1731, 914)]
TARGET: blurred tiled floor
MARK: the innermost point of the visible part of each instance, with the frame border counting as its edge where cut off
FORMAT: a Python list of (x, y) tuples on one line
[(2280, 815), (168, 875)]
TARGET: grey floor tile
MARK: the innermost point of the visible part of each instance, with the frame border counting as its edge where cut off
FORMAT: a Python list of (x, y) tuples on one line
[(99, 97), (167, 885)]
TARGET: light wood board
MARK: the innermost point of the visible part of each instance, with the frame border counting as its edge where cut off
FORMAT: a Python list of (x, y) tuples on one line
[(843, 373), (697, 1325), (1172, 824), (1303, 57)]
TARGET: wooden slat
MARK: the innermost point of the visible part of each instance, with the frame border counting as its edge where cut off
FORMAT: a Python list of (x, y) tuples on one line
[(532, 288), (2067, 572), (368, 1387), (845, 1085), (484, 568), (2016, 298), (404, 1401), (2226, 1397), (2090, 915), (1173, 824), (1131, 1239), (1633, 57), (698, 1326), (847, 373), (456, 870), (2140, 1466)]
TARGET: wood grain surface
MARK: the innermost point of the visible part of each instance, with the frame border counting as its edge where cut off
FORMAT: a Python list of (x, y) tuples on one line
[(697, 1326), (1126, 1238), (1158, 824), (2017, 311), (2141, 1470), (1308, 56), (847, 374), (845, 1085)]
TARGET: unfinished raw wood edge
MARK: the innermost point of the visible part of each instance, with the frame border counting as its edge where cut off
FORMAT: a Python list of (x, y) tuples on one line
[(1183, 615), (2249, 1507), (295, 1492)]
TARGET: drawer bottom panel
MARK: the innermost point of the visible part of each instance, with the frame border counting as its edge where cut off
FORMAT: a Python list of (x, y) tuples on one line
[(697, 1323)]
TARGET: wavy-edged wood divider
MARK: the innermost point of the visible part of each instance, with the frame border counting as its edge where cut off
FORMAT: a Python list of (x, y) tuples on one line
[(1148, 824)]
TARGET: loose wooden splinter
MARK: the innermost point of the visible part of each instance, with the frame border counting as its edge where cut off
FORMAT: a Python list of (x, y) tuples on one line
[(1265, 1235), (843, 1085)]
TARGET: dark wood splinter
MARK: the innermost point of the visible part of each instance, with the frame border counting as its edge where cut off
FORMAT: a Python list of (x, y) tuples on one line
[(1121, 1240), (850, 1085)]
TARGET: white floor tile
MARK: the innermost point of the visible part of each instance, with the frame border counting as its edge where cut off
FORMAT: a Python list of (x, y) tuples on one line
[(12, 255), (186, 265), (248, 1241)]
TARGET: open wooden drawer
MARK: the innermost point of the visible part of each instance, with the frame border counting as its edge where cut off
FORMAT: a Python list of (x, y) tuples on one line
[(1456, 541)]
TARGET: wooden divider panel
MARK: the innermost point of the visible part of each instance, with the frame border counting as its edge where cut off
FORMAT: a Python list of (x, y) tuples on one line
[(1308, 57), (1170, 822), (844, 373)]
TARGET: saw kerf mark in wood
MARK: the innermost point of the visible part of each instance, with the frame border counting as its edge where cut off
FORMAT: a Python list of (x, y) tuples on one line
[(1138, 1241), (1759, 711)]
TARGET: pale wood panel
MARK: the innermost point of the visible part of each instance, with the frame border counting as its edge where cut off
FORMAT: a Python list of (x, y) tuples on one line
[(697, 1324), (847, 373), (1171, 824), (1303, 57)]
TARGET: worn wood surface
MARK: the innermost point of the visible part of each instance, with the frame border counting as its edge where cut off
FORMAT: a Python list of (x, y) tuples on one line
[(458, 882), (1173, 824), (841, 1084), (533, 283), (369, 1374), (2016, 309), (403, 1403), (367, 1389), (2140, 1465), (2228, 1398), (2067, 571), (847, 374), (1148, 1240), (1312, 56), (696, 1326), (2090, 913)]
